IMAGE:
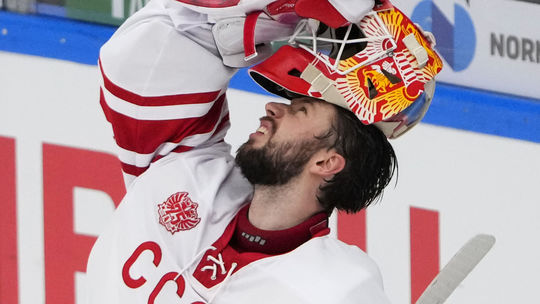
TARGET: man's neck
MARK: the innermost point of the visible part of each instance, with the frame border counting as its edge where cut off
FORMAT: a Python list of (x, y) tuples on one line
[(282, 207)]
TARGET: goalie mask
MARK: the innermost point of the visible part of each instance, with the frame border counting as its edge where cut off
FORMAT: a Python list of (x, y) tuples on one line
[(382, 69)]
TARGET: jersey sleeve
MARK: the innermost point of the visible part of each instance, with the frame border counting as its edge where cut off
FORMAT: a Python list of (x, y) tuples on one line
[(162, 91), (217, 9)]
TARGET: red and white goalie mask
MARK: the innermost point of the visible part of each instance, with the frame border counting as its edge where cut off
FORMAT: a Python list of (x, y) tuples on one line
[(382, 68)]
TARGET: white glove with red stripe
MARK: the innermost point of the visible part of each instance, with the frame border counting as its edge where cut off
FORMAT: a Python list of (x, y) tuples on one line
[(244, 41)]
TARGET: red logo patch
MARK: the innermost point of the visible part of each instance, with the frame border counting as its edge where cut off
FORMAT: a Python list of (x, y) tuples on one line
[(178, 213)]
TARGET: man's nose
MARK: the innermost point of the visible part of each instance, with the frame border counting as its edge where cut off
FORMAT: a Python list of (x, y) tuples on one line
[(275, 109)]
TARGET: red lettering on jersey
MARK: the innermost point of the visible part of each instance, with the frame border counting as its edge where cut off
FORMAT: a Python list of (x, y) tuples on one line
[(178, 213), (175, 277), (171, 276), (8, 224), (66, 251), (424, 249), (136, 283), (211, 3)]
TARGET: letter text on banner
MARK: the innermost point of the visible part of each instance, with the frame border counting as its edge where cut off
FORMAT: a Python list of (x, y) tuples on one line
[(351, 229), (424, 249), (65, 251), (8, 223)]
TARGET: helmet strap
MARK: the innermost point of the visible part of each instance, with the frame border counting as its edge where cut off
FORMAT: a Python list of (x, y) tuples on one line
[(323, 85), (250, 51)]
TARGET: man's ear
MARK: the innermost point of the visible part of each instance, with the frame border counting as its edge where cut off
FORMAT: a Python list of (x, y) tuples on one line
[(327, 163)]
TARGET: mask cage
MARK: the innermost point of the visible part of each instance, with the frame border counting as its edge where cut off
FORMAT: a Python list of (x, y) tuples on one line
[(339, 44)]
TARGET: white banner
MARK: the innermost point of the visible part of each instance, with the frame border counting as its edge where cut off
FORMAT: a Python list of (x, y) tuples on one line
[(488, 44), (452, 185)]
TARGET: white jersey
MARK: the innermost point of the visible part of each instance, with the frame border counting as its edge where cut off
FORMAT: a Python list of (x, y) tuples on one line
[(174, 213), (163, 91)]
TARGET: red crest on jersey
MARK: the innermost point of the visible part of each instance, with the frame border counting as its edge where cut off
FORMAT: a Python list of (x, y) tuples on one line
[(178, 213)]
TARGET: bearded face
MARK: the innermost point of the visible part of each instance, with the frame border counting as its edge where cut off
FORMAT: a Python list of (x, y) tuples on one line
[(276, 164), (287, 138)]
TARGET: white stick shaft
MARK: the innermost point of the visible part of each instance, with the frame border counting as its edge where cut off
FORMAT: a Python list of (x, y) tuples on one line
[(455, 271)]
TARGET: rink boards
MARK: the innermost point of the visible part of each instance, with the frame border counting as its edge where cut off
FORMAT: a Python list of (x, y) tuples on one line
[(472, 168)]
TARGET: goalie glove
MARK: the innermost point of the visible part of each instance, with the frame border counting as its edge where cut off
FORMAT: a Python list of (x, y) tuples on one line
[(245, 41)]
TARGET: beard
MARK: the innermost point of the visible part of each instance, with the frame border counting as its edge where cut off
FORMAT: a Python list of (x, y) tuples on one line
[(275, 164)]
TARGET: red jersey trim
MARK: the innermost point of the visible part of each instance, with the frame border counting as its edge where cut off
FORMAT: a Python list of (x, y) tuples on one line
[(145, 136), (229, 255), (136, 171), (157, 101), (211, 3)]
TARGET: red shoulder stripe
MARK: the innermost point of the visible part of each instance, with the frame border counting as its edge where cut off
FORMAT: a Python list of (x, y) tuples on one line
[(168, 100), (178, 149), (145, 136), (133, 170), (223, 124), (136, 171)]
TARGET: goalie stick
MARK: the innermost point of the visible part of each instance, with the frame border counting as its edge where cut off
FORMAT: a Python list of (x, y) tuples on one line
[(455, 271)]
